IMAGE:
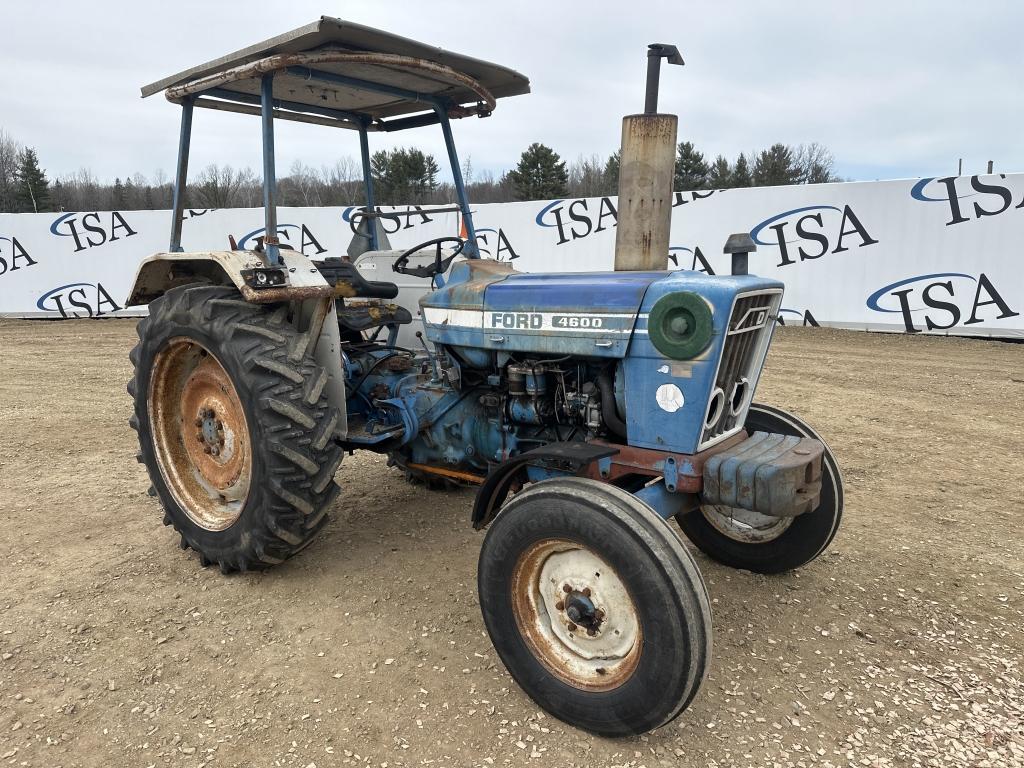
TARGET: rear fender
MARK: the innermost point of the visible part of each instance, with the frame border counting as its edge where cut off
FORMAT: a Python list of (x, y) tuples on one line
[(303, 286), (162, 271)]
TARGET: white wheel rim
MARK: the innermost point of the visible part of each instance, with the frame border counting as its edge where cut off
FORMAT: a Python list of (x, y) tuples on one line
[(576, 615), (745, 526)]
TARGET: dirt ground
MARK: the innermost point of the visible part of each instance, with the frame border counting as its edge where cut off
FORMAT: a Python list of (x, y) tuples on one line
[(901, 646)]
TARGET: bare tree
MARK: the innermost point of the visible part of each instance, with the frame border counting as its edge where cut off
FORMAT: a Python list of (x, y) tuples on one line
[(815, 163), (587, 178), (224, 187), (10, 150)]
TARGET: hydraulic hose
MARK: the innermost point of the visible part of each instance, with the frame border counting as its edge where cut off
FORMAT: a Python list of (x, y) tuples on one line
[(609, 412)]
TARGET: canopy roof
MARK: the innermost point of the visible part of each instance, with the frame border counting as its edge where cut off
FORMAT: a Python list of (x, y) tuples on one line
[(325, 67)]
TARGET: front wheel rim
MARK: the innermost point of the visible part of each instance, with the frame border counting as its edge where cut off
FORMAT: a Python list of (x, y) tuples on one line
[(576, 615), (200, 434), (744, 525)]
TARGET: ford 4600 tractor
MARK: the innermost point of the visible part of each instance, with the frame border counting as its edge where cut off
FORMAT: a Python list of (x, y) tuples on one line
[(590, 409)]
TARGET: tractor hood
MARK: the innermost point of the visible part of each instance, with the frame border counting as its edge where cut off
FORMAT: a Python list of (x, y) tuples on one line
[(488, 304)]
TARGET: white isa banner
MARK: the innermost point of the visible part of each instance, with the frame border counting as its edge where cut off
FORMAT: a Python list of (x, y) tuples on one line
[(934, 255)]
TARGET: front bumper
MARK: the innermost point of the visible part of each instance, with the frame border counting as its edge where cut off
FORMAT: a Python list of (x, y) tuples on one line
[(776, 475)]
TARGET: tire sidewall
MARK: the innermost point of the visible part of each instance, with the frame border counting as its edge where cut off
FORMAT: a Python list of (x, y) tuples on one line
[(667, 657)]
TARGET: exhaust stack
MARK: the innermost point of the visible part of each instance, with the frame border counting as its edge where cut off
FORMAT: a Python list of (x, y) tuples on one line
[(647, 163)]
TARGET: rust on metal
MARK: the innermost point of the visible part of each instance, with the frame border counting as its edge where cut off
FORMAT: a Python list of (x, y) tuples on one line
[(603, 657), (649, 462), (455, 474), (282, 61), (200, 434), (286, 293)]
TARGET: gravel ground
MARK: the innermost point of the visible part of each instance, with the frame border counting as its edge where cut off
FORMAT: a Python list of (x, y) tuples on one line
[(901, 646)]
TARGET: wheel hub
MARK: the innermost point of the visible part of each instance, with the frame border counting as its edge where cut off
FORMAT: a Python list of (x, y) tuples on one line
[(581, 611)]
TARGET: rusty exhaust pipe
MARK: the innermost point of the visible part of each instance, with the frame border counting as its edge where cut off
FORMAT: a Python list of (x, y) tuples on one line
[(647, 163)]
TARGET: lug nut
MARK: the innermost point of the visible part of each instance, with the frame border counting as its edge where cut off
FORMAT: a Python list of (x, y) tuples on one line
[(572, 627), (591, 632), (559, 606), (207, 449), (198, 422), (598, 614), (566, 588), (586, 591)]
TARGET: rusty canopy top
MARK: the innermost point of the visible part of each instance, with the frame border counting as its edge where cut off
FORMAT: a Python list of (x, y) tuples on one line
[(320, 68)]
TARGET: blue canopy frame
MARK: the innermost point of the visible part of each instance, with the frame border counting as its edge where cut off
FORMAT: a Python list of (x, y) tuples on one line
[(270, 108)]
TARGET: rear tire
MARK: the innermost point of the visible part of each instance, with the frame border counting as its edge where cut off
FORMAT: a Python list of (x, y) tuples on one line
[(595, 606), (779, 544), (234, 427)]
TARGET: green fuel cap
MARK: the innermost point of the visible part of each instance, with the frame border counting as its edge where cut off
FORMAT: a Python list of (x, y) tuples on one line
[(680, 325)]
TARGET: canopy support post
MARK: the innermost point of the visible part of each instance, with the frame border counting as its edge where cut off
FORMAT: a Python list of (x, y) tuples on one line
[(181, 174), (270, 241), (364, 152), (471, 249)]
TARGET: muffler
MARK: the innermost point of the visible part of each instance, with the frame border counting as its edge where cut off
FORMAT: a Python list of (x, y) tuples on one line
[(647, 163)]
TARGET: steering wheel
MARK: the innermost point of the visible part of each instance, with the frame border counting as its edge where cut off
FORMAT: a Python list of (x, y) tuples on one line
[(439, 266)]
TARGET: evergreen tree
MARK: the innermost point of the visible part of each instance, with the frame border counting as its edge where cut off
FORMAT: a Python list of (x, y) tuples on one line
[(611, 172), (691, 169), (720, 175), (540, 175), (741, 173), (403, 176), (118, 196), (32, 193), (776, 166)]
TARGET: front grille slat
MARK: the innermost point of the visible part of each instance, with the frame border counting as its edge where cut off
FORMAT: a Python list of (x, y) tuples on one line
[(742, 353)]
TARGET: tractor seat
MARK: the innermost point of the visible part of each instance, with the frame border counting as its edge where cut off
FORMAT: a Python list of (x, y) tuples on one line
[(349, 283), (362, 316)]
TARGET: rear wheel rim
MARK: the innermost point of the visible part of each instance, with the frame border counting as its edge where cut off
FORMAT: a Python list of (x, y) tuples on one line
[(576, 615), (744, 525), (200, 434)]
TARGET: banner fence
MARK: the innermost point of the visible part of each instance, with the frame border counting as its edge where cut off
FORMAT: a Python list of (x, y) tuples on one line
[(934, 255)]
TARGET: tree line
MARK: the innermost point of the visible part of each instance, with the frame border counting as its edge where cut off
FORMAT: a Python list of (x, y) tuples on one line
[(400, 176)]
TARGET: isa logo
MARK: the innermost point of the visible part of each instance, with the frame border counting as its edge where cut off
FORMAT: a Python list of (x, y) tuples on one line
[(808, 233), (940, 301), (299, 236), (91, 230), (575, 219), (76, 300), (13, 255), (989, 199), (692, 259), (488, 239)]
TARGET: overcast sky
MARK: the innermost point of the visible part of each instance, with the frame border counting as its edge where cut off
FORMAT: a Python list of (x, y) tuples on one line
[(894, 89)]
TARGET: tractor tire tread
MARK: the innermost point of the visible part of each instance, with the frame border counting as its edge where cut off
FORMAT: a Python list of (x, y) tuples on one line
[(289, 499)]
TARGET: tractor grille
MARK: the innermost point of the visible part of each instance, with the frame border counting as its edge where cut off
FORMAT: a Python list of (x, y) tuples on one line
[(746, 344)]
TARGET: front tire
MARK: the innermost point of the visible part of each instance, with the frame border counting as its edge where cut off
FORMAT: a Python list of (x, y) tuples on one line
[(739, 538), (595, 606), (234, 427)]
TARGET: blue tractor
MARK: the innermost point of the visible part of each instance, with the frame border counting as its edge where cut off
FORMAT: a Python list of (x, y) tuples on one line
[(589, 409)]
